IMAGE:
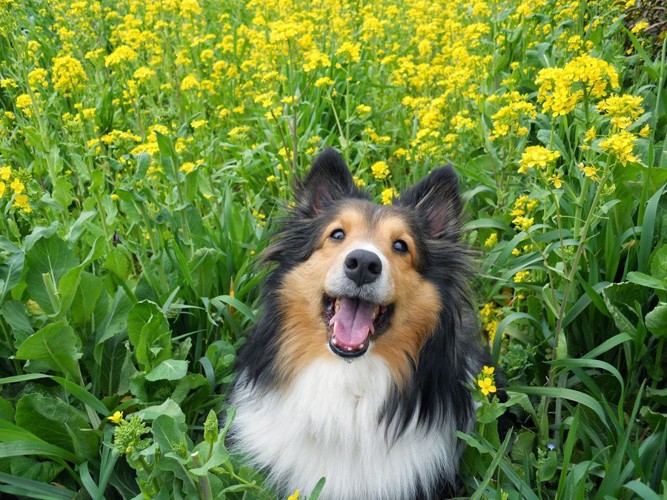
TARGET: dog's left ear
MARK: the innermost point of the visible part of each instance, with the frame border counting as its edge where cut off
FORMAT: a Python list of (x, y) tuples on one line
[(328, 180), (436, 197)]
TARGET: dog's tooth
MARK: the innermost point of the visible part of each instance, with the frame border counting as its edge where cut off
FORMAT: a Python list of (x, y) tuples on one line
[(334, 341), (349, 349), (376, 312), (362, 346), (337, 305)]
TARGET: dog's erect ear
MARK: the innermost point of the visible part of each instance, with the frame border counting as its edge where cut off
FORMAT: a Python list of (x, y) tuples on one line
[(436, 197), (328, 179)]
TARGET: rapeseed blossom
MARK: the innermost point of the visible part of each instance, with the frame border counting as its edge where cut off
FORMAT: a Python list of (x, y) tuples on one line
[(380, 170), (622, 110), (68, 75), (620, 145), (537, 157)]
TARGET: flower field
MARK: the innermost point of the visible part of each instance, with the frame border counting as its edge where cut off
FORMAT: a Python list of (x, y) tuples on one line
[(148, 147)]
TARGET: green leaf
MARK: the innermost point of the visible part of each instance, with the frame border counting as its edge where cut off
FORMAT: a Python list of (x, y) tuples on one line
[(170, 369), (169, 408), (149, 334), (647, 281), (169, 434), (656, 321), (21, 486), (57, 423), (86, 297), (618, 297), (114, 323), (10, 273), (569, 394), (50, 257), (17, 318), (29, 468), (56, 345)]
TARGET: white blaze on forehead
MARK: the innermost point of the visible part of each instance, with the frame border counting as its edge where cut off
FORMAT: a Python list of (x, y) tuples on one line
[(338, 284)]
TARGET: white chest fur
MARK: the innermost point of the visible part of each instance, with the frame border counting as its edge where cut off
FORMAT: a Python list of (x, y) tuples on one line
[(326, 424)]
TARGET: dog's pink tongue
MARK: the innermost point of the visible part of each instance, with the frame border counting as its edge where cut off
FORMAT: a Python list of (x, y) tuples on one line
[(353, 322)]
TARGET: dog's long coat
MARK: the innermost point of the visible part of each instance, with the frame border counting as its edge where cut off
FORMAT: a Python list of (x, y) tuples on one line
[(356, 370)]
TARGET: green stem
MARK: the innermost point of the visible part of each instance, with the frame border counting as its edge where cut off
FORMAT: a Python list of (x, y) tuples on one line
[(204, 483)]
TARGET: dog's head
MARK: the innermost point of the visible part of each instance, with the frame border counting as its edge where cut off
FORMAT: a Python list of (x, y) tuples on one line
[(357, 278)]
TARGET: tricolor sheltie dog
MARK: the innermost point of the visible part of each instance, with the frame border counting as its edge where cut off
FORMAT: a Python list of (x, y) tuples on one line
[(357, 369)]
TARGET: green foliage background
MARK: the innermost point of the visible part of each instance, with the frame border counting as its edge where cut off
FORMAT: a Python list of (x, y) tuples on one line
[(146, 149)]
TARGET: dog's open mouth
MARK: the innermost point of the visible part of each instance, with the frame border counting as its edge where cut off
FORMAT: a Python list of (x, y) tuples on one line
[(352, 322)]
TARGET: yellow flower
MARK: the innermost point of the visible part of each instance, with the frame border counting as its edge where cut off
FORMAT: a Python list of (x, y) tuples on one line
[(5, 173), (68, 75), (589, 171), (521, 276), (387, 196), (363, 109), (488, 370), (492, 240), (120, 56), (37, 78), (536, 156), (380, 170), (294, 496), (3, 188), (190, 82), (195, 124), (349, 51), (17, 186), (622, 110), (116, 417), (645, 131), (590, 135), (621, 146), (487, 385), (325, 81), (358, 181), (187, 167), (556, 180), (21, 201)]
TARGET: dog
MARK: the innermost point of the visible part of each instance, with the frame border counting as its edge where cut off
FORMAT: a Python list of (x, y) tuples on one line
[(357, 369)]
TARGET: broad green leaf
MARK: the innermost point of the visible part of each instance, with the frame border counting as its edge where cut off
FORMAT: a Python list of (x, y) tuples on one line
[(86, 297), (169, 408), (58, 423), (10, 273), (29, 468), (114, 323), (656, 320), (50, 257), (56, 345), (15, 315), (169, 369), (21, 486), (149, 334)]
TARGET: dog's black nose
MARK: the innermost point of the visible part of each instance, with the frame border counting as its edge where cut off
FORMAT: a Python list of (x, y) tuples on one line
[(362, 266)]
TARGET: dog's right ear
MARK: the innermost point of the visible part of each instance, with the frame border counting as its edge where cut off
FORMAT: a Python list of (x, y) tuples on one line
[(328, 180)]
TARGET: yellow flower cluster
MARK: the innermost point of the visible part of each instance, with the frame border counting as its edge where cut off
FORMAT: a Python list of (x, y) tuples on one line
[(511, 119), (491, 316), (17, 187), (68, 75), (380, 170), (486, 381), (560, 89), (621, 146), (537, 157), (622, 110), (388, 196)]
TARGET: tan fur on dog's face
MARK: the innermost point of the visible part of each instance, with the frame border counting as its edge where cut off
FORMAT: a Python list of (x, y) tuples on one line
[(416, 301)]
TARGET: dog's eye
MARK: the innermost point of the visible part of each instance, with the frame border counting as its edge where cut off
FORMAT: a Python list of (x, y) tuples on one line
[(337, 234), (400, 246)]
